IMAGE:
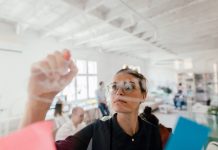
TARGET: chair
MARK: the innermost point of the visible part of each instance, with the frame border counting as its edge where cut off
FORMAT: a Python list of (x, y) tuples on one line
[(212, 146)]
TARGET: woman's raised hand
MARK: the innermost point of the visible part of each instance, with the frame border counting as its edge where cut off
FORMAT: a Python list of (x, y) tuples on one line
[(51, 75)]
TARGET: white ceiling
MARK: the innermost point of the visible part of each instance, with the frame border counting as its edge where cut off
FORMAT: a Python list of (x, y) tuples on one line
[(159, 30)]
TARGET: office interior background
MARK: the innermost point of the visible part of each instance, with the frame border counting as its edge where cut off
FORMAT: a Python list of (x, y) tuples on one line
[(169, 41)]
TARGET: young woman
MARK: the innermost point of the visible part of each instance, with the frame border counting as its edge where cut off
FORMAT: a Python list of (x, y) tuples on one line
[(59, 117), (124, 130)]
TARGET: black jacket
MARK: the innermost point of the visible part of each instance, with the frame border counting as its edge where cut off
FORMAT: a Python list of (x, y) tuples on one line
[(108, 135)]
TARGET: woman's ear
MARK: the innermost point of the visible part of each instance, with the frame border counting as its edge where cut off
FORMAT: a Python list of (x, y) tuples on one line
[(145, 96)]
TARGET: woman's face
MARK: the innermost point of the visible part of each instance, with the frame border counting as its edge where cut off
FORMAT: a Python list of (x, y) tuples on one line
[(79, 116), (125, 93)]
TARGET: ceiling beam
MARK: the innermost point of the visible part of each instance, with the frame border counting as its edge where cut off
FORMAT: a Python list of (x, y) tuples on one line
[(109, 40), (172, 7), (90, 5), (58, 23), (125, 49), (93, 38), (116, 13)]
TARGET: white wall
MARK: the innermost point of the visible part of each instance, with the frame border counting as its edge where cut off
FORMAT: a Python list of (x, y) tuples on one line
[(15, 66), (160, 76)]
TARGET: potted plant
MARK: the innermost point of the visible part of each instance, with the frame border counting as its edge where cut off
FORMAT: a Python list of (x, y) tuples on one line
[(213, 110)]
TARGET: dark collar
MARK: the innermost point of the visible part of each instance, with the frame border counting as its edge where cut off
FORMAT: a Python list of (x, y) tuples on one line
[(118, 131)]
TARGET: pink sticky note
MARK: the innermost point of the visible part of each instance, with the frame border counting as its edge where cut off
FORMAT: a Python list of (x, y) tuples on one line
[(34, 137)]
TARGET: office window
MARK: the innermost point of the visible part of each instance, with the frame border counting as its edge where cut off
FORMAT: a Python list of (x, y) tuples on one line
[(70, 91), (92, 67), (81, 91), (81, 87), (86, 80), (82, 66), (92, 80)]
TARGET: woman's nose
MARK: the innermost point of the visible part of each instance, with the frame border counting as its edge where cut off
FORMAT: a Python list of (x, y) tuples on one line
[(120, 91)]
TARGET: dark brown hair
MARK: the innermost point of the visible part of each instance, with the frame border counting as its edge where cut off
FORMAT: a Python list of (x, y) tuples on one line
[(58, 109), (101, 82)]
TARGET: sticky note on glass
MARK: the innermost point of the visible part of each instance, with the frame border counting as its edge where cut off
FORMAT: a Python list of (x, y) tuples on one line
[(188, 135), (34, 137)]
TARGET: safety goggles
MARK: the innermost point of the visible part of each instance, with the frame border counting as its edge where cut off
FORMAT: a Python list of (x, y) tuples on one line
[(126, 86)]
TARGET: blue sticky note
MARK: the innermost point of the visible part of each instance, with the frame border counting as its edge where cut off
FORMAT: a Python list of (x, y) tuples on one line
[(188, 135)]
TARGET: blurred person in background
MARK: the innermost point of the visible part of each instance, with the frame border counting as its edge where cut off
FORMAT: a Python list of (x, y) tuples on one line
[(59, 117), (180, 100), (101, 98), (72, 126)]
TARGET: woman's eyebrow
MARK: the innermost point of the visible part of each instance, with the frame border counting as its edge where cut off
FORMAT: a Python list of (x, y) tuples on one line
[(132, 82)]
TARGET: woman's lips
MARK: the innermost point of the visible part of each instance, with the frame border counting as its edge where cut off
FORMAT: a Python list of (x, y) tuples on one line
[(126, 99), (120, 101)]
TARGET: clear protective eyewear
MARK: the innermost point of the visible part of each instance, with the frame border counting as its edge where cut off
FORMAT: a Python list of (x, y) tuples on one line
[(126, 86)]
